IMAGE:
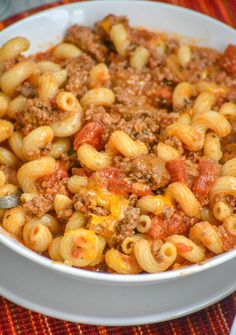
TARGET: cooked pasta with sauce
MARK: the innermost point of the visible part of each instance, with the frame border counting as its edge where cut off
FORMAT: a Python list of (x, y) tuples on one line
[(120, 143)]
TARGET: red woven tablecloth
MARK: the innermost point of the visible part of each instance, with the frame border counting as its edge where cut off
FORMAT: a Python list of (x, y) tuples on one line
[(214, 320)]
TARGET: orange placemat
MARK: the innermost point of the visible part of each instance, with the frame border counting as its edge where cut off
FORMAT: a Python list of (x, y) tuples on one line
[(214, 320)]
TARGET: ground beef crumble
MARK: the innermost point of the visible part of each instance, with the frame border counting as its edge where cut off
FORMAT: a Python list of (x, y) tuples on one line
[(38, 206), (87, 41), (125, 228), (78, 73), (37, 113), (147, 169)]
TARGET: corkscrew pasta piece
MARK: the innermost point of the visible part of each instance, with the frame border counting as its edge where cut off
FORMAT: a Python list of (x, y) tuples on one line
[(166, 152), (67, 101), (14, 221), (207, 215), (98, 96), (160, 47), (29, 172), (15, 106), (62, 203), (25, 197), (151, 264), (69, 125), (92, 158), (229, 168), (76, 182), (154, 203), (230, 224), (221, 211), (8, 189), (204, 102), (191, 137), (187, 248), (194, 136), (66, 51), (185, 198), (80, 247), (209, 86), (3, 178), (37, 236), (184, 54), (99, 75), (76, 221), (54, 249), (228, 110), (185, 118), (121, 263), (144, 224), (13, 48), (37, 140), (181, 95), (120, 38), (6, 129), (139, 58), (16, 143), (223, 186), (100, 256), (50, 222), (127, 245), (212, 146), (59, 146), (126, 146), (214, 121), (48, 66), (12, 78), (4, 103), (61, 77), (47, 86), (8, 158), (206, 234)]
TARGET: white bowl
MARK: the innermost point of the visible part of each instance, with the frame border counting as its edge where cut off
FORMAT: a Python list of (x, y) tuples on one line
[(47, 28)]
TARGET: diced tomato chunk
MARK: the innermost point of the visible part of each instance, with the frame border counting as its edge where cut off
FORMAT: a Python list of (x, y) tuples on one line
[(141, 189), (177, 170), (112, 179), (59, 174), (208, 172), (178, 223), (158, 228), (91, 133), (228, 60), (182, 248), (118, 186)]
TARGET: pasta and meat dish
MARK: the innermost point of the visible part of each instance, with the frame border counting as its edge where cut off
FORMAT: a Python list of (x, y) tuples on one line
[(120, 146)]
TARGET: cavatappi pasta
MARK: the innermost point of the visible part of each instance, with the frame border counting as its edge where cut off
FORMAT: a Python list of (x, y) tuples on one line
[(121, 144)]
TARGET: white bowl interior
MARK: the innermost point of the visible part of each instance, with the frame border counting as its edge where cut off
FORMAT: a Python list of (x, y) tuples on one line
[(47, 28)]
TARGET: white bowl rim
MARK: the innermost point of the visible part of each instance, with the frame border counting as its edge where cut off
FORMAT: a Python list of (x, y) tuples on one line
[(107, 277)]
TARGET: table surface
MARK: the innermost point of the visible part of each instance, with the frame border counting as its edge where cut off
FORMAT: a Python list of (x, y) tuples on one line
[(214, 320)]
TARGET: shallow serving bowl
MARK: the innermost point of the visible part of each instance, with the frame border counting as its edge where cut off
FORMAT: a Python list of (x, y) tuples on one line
[(77, 295)]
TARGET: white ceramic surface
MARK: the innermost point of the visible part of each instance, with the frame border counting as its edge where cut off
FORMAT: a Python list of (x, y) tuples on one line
[(169, 294), (54, 294)]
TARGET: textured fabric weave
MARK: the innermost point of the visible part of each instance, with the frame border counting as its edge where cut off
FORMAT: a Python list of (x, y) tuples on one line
[(214, 320)]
